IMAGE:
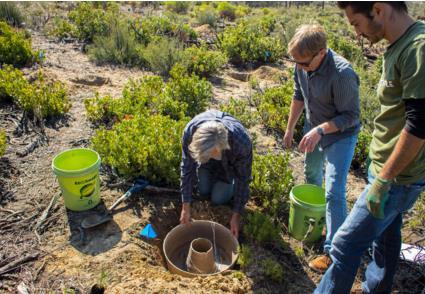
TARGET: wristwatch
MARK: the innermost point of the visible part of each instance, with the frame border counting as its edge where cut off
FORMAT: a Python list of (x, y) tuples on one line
[(320, 131)]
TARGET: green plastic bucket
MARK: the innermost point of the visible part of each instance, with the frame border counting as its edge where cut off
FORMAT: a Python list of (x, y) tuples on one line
[(307, 212), (77, 171)]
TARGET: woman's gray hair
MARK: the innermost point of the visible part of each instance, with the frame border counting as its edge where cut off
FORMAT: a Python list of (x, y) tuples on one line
[(209, 135)]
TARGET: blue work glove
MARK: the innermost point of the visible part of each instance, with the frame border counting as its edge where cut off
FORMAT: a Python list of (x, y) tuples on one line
[(377, 197)]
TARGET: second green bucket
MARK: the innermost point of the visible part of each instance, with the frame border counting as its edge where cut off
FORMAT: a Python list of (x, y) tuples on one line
[(77, 171), (307, 212)]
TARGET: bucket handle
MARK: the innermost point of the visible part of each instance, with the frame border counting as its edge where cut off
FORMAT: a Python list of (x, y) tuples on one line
[(311, 225)]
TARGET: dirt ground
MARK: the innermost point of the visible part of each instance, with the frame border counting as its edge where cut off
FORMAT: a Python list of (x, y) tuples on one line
[(112, 257)]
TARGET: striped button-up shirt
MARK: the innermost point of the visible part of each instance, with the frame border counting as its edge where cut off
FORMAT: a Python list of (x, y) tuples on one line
[(330, 93), (236, 162)]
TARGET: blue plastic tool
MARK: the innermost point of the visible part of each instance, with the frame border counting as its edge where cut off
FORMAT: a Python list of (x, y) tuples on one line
[(148, 232)]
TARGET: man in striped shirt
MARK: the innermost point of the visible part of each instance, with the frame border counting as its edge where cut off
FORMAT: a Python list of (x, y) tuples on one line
[(327, 87), (217, 156)]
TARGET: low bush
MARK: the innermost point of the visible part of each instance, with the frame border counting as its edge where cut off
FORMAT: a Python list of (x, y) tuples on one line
[(206, 14), (11, 13), (260, 227), (272, 269), (245, 256), (92, 19), (227, 10), (273, 106), (15, 47), (361, 151), (182, 96), (189, 90), (202, 61), (250, 43), (162, 54), (271, 182), (62, 29), (150, 28), (3, 143), (143, 146), (178, 6), (119, 46), (240, 109), (40, 98), (344, 47)]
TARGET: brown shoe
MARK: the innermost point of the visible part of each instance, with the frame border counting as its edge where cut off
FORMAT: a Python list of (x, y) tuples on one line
[(320, 264)]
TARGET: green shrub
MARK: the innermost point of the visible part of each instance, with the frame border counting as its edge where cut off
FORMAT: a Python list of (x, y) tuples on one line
[(344, 47), (118, 47), (272, 181), (145, 146), (178, 6), (274, 105), (361, 152), (41, 98), (3, 143), (162, 54), (182, 96), (261, 228), (15, 47), (250, 43), (91, 20), (10, 13), (62, 29), (203, 62), (245, 256), (150, 28), (272, 269), (226, 10), (190, 90), (240, 109), (205, 14)]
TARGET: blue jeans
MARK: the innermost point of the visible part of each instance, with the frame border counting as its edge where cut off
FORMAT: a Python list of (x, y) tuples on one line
[(338, 158), (208, 185), (361, 230)]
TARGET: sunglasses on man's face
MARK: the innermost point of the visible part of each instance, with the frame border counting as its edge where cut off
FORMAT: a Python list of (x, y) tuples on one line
[(305, 64)]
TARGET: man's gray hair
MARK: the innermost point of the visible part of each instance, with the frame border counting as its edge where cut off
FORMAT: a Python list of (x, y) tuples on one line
[(209, 135)]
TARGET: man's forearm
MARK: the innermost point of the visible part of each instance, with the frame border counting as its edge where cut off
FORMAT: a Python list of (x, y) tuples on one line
[(296, 109), (328, 127), (406, 149)]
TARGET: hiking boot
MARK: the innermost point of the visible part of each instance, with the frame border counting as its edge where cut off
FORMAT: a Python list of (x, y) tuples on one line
[(320, 264)]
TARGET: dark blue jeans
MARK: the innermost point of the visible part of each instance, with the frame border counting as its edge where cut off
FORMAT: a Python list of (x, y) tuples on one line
[(362, 230), (210, 186)]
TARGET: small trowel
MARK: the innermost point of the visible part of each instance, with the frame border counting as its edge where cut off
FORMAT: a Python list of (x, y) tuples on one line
[(96, 219), (139, 185)]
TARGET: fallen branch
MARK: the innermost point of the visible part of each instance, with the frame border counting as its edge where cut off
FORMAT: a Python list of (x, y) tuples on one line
[(45, 214), (32, 146), (20, 261)]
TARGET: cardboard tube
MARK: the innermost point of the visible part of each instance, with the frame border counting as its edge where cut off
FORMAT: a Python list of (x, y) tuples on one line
[(200, 258)]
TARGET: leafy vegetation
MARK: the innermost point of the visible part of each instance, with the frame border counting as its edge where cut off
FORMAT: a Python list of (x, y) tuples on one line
[(119, 46), (40, 98), (178, 6), (206, 14), (92, 19), (260, 227), (245, 255), (143, 146), (3, 143), (202, 61), (361, 152), (250, 43), (272, 269), (11, 14), (162, 54), (15, 46), (272, 182), (240, 109)]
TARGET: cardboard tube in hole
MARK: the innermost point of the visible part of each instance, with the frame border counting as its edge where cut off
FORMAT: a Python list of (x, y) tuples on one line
[(200, 259), (178, 241)]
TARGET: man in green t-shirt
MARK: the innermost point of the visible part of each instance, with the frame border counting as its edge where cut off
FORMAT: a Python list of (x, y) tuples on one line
[(397, 171)]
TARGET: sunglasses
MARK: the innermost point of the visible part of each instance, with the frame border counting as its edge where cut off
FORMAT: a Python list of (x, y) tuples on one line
[(305, 64)]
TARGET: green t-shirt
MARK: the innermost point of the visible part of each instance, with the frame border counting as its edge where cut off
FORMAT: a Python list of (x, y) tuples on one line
[(403, 77)]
